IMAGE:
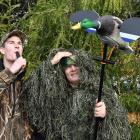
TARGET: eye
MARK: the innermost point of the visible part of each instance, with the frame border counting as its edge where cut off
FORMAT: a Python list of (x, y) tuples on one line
[(75, 65), (11, 42), (19, 43)]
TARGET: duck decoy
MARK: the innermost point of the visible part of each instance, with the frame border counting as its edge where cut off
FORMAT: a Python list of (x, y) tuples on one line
[(112, 31)]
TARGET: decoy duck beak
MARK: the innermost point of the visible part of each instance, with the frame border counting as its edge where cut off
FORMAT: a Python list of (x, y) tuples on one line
[(77, 26)]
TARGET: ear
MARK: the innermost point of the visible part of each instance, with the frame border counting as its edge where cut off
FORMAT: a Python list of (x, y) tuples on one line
[(2, 50)]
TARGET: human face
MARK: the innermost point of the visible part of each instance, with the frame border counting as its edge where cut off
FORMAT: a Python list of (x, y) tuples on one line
[(11, 46), (72, 73)]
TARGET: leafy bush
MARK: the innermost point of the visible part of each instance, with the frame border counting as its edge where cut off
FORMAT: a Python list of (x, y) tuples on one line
[(131, 101), (135, 132)]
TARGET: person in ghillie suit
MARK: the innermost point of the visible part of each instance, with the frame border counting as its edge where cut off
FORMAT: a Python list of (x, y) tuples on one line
[(60, 99), (12, 70)]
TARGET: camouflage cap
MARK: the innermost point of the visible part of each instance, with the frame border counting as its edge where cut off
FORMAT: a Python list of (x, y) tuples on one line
[(16, 32), (67, 61)]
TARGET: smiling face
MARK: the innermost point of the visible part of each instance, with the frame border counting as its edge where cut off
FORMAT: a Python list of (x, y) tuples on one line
[(72, 73), (10, 47)]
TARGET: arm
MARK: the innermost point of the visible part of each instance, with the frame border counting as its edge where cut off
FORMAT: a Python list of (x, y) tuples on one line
[(8, 75), (56, 59)]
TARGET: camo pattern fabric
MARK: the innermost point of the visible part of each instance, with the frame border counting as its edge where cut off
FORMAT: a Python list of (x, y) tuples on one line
[(12, 127)]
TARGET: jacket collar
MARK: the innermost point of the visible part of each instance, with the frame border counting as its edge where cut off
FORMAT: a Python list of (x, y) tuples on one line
[(1, 65)]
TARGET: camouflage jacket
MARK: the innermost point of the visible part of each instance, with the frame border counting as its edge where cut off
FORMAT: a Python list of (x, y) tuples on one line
[(12, 127)]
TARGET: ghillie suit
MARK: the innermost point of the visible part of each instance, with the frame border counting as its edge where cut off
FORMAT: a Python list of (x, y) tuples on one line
[(65, 113), (12, 126)]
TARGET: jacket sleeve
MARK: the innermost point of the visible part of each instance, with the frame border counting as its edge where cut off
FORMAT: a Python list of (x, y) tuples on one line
[(6, 77)]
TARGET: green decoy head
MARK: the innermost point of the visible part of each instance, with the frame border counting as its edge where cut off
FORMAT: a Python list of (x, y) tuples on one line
[(85, 24)]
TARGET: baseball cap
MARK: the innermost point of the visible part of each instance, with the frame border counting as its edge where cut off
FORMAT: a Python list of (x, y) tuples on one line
[(16, 32)]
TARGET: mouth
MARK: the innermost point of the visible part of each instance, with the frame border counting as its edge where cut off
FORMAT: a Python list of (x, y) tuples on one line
[(75, 74)]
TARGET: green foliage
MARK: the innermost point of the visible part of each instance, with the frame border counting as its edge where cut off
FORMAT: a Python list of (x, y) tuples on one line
[(135, 132), (131, 101)]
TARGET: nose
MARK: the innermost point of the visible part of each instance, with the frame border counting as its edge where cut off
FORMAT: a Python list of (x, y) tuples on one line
[(16, 45), (73, 67)]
